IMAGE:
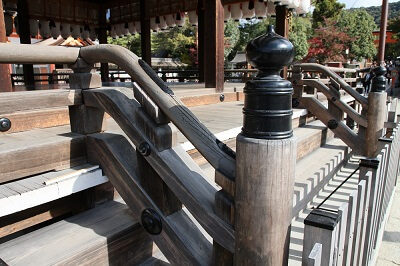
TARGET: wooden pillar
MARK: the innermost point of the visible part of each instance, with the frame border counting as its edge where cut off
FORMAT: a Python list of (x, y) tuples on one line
[(104, 70), (265, 158), (145, 31), (5, 77), (200, 40), (25, 38), (382, 33), (376, 114), (282, 27), (214, 45)]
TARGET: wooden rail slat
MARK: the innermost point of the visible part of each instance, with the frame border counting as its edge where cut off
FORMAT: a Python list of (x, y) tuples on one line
[(11, 102), (182, 175), (180, 240)]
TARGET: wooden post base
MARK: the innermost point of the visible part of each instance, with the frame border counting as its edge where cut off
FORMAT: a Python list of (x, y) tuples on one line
[(263, 200)]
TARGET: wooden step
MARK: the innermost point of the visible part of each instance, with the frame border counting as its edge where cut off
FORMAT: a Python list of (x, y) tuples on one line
[(106, 235)]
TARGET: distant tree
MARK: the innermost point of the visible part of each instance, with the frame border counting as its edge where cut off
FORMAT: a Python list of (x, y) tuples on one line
[(232, 35), (392, 50), (394, 24), (358, 25), (131, 42), (328, 44), (325, 9), (375, 11), (299, 34)]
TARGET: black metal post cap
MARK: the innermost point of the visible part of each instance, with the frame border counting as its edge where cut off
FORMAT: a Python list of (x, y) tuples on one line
[(270, 51), (5, 124), (151, 221), (379, 81), (268, 97), (144, 149)]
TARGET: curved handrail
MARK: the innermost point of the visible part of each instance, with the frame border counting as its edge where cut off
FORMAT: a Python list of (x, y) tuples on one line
[(330, 73), (216, 153)]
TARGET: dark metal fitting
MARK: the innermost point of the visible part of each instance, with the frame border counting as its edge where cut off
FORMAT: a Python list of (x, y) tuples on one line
[(295, 102), (151, 221), (322, 219), (222, 98), (369, 162), (332, 124), (294, 82), (5, 124), (387, 140), (333, 99), (144, 149)]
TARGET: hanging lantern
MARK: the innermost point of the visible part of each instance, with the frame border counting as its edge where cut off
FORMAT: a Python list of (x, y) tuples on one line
[(138, 27), (260, 9), (236, 11), (33, 27), (153, 25), (132, 28), (65, 30), (227, 13), (113, 33), (125, 29), (248, 10), (180, 20), (93, 34), (44, 29), (54, 29), (170, 18), (295, 4), (163, 23), (8, 20), (193, 18), (271, 8), (75, 31), (86, 32)]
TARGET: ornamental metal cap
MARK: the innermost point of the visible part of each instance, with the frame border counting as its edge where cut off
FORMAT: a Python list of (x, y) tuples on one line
[(379, 81), (270, 51)]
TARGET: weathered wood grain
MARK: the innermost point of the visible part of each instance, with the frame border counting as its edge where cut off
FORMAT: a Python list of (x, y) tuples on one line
[(11, 102), (23, 155), (107, 235), (182, 175), (207, 144), (33, 119), (376, 118), (87, 120), (180, 240), (347, 135), (264, 200)]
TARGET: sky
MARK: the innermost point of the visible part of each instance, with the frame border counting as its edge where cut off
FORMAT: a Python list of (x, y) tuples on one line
[(363, 3)]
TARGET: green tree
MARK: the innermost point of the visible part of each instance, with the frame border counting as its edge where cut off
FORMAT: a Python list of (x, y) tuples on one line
[(299, 34), (232, 34), (325, 9), (131, 42), (358, 24)]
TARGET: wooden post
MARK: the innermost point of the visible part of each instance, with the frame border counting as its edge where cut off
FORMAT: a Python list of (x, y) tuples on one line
[(265, 159), (104, 71), (377, 112), (282, 27), (145, 35), (214, 45), (5, 77), (321, 227), (25, 38), (200, 40)]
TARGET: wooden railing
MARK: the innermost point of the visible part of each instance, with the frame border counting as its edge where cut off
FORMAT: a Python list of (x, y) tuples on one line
[(156, 177), (350, 234)]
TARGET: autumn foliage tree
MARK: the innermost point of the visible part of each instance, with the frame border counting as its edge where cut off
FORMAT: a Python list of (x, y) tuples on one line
[(328, 43)]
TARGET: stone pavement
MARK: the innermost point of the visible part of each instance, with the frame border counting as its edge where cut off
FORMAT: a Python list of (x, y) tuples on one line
[(389, 251)]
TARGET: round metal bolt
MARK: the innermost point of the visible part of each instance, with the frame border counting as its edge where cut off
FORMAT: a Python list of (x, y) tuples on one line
[(333, 99), (144, 149), (332, 124), (295, 102), (221, 98), (151, 221), (5, 124)]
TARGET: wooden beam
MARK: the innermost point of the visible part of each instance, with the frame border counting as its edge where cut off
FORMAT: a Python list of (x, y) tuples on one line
[(214, 45), (103, 40), (282, 27), (5, 77), (25, 38), (200, 40), (145, 31)]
